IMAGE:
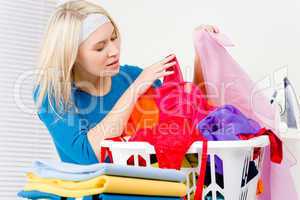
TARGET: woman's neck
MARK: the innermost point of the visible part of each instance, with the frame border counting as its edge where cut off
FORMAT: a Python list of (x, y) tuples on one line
[(97, 86)]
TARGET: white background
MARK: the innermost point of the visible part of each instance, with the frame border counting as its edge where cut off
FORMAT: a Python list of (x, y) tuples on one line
[(266, 33)]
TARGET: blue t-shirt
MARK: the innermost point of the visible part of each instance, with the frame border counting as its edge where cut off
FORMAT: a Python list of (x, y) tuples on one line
[(69, 130)]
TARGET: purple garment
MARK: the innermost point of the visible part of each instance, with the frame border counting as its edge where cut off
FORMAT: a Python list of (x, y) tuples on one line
[(225, 123)]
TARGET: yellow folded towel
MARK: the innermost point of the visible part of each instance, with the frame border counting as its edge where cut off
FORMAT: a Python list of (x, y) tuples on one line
[(105, 184)]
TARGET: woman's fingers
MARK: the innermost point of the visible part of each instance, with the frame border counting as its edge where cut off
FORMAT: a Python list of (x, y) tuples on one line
[(166, 66), (167, 59), (165, 73), (163, 64), (208, 28), (170, 64), (215, 29)]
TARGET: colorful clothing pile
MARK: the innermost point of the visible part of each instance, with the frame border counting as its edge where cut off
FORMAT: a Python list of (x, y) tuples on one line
[(228, 84), (181, 106)]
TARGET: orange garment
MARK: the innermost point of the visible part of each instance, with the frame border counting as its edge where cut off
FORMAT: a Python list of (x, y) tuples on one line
[(145, 114), (260, 187)]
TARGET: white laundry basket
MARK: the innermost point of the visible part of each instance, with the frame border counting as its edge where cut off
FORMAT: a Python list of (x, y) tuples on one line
[(235, 157)]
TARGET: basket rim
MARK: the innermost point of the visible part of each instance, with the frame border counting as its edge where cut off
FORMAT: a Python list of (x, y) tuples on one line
[(261, 141)]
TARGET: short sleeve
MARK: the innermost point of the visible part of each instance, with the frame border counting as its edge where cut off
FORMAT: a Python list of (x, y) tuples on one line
[(69, 133), (157, 83), (130, 73)]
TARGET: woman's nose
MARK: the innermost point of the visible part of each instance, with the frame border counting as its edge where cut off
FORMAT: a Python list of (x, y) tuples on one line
[(113, 50)]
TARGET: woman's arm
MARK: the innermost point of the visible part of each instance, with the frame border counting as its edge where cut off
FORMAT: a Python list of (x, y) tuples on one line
[(113, 124), (198, 75)]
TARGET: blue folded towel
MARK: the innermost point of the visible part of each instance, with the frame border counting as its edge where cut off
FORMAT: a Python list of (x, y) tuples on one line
[(35, 195), (74, 172), (40, 195)]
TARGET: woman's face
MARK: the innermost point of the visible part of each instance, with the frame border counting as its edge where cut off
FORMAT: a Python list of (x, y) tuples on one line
[(99, 54)]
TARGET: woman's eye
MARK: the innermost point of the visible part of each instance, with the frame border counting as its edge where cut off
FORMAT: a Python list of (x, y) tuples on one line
[(100, 49), (114, 38)]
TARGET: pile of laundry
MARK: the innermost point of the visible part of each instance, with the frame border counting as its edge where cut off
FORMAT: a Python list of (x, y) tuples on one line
[(178, 113), (104, 181)]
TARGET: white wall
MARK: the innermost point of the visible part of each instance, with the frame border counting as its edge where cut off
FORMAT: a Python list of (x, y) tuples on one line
[(266, 33)]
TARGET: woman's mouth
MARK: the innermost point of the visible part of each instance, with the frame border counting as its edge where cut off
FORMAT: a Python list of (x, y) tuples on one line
[(113, 64)]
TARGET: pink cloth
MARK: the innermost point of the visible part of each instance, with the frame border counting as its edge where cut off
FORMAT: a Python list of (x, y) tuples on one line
[(227, 83), (181, 106)]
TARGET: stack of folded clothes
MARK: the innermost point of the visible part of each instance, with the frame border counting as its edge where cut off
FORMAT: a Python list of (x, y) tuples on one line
[(105, 181)]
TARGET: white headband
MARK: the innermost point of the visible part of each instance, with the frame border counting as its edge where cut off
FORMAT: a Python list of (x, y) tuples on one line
[(91, 23)]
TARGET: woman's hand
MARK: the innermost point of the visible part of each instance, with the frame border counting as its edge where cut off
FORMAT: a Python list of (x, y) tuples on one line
[(153, 72), (208, 28)]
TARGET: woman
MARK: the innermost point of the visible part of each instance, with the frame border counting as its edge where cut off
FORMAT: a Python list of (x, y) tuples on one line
[(83, 94)]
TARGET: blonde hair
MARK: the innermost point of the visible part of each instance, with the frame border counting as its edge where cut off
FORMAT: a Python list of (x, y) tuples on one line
[(59, 51)]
